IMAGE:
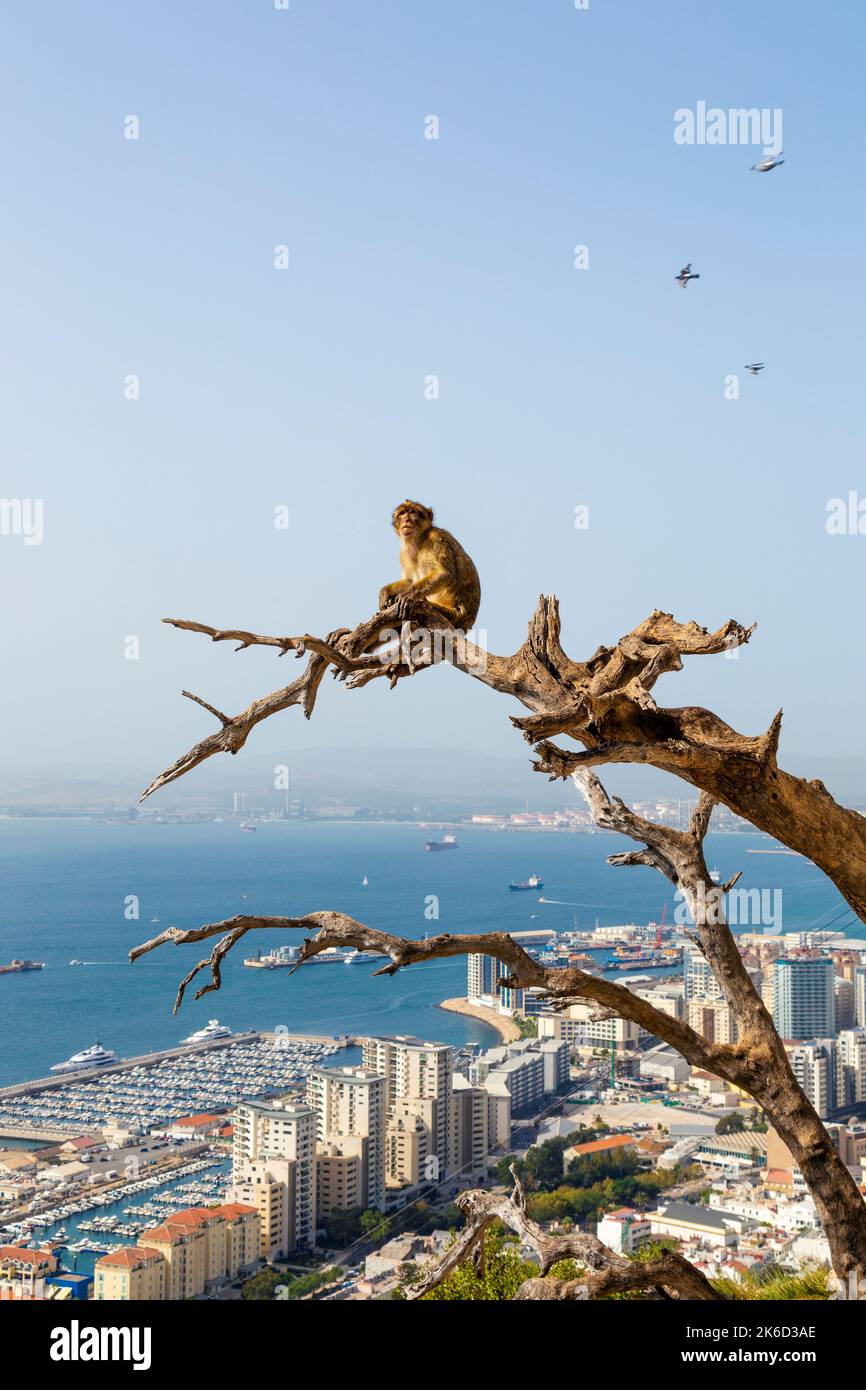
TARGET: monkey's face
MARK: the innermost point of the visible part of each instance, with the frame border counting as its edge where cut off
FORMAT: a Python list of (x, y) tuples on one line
[(412, 521)]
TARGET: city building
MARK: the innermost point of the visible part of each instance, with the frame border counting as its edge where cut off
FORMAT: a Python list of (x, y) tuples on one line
[(410, 1157), (23, 1273), (688, 1222), (470, 1128), (700, 982), (816, 1067), (713, 1019), (482, 972), (860, 996), (134, 1274), (851, 1045), (624, 1230), (577, 1027), (350, 1106), (274, 1170), (664, 1064), (416, 1070), (845, 1012), (192, 1252), (805, 1005)]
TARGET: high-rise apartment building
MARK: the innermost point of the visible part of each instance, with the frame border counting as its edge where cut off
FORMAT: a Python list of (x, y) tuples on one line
[(416, 1070), (805, 1003), (350, 1105), (274, 1169), (860, 996)]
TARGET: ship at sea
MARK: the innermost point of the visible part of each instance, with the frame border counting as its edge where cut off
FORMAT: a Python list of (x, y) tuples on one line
[(651, 958), (91, 1057), (214, 1029), (447, 842), (16, 966), (532, 882), (281, 958)]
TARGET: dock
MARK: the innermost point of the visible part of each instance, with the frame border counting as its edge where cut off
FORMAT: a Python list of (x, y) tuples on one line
[(149, 1059)]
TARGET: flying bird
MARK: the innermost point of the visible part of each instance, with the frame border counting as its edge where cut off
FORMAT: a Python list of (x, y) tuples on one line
[(686, 275), (755, 367), (767, 164)]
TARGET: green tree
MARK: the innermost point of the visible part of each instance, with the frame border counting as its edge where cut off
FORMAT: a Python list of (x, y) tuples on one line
[(374, 1223), (261, 1287)]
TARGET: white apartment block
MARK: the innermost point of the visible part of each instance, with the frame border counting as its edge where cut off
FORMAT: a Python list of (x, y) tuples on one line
[(576, 1027)]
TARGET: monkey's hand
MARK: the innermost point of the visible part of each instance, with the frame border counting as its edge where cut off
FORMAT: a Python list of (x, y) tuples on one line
[(405, 605)]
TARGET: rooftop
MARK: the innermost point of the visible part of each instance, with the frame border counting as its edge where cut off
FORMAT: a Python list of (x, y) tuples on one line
[(129, 1258), (597, 1146)]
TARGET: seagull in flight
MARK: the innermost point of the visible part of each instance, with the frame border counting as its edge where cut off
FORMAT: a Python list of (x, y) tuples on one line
[(755, 367), (686, 275), (767, 164)]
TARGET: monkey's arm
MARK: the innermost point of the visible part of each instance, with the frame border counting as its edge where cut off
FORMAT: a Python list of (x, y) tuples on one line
[(390, 591)]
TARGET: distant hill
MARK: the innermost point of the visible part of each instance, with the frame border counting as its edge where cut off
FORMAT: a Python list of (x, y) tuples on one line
[(399, 778)]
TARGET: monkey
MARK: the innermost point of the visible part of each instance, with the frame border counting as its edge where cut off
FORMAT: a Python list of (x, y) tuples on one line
[(435, 568)]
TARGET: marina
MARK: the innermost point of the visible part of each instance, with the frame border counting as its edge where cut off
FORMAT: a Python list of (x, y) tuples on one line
[(140, 1095), (81, 1228)]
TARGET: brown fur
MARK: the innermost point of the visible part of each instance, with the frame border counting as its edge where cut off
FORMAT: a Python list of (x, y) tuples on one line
[(435, 567)]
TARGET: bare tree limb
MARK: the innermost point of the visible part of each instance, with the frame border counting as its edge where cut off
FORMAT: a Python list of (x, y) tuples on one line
[(604, 704), (757, 1061), (604, 1272)]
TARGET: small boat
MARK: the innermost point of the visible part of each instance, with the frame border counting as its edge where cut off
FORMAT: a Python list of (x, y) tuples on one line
[(532, 882), (447, 842), (245, 825), (365, 881)]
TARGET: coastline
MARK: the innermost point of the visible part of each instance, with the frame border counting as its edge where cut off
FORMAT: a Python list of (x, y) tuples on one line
[(504, 1026)]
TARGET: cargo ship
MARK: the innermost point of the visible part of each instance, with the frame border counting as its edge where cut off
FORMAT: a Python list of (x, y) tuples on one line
[(16, 966), (532, 882), (647, 957), (447, 842)]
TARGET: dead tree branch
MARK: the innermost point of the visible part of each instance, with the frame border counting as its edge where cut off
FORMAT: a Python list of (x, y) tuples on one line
[(605, 704), (604, 1272)]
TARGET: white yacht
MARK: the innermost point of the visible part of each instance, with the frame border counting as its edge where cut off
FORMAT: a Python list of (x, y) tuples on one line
[(214, 1029), (95, 1056)]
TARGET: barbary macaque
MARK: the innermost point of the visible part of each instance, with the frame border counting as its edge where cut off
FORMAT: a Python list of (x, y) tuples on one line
[(435, 568)]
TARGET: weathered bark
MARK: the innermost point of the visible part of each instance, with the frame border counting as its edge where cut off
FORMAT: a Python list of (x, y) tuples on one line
[(603, 1271)]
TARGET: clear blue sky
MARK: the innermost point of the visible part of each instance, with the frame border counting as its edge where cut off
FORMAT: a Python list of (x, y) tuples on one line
[(410, 257)]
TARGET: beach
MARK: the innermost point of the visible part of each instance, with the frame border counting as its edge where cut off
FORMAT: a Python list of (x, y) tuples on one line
[(505, 1027)]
